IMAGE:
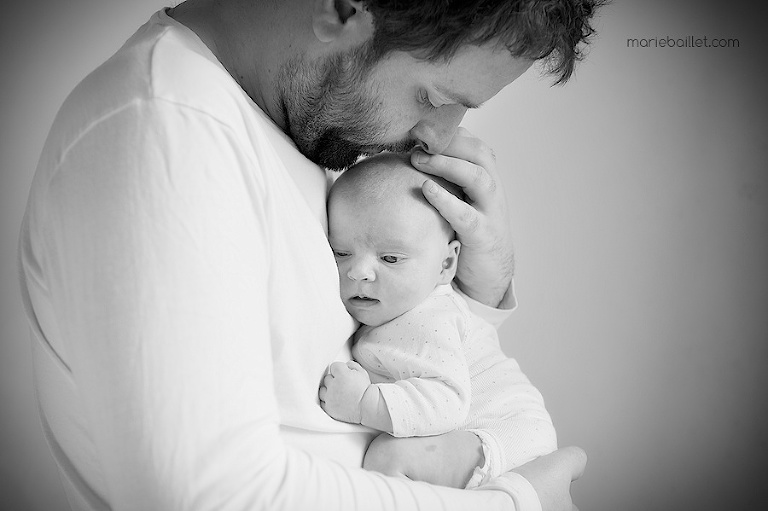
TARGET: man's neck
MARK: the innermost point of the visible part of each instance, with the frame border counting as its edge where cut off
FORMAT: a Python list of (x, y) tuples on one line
[(252, 40)]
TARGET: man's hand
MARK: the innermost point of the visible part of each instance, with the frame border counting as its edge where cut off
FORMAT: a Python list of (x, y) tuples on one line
[(551, 476), (486, 264), (342, 391)]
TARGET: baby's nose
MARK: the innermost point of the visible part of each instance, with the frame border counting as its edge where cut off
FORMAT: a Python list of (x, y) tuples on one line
[(361, 271)]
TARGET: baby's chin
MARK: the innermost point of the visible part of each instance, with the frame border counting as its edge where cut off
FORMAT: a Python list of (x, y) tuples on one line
[(368, 317), (370, 321)]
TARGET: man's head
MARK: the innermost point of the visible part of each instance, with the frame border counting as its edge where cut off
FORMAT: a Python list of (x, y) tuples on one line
[(388, 74), (391, 246)]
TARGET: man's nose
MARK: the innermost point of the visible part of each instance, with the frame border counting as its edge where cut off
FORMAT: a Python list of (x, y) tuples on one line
[(361, 269), (435, 132)]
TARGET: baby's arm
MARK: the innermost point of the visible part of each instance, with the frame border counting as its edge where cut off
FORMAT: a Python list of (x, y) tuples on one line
[(417, 406), (419, 372), (422, 379)]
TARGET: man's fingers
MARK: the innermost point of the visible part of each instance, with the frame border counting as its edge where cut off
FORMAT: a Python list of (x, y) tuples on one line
[(463, 218), (474, 179), (466, 146), (464, 132), (576, 459)]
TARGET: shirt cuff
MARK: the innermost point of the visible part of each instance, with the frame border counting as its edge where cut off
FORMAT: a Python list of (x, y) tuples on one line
[(516, 486), (494, 316)]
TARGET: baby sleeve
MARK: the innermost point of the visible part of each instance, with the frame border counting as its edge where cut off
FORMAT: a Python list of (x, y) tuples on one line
[(417, 363)]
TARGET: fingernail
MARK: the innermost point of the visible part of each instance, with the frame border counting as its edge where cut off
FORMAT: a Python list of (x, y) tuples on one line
[(432, 187), (421, 157)]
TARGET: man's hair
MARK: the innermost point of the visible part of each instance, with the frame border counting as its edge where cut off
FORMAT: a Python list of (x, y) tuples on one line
[(554, 31)]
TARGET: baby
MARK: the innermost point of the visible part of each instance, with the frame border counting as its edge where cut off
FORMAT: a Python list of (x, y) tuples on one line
[(425, 365)]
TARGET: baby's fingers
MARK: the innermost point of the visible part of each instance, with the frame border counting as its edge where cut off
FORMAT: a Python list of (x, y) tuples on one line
[(336, 368), (354, 366)]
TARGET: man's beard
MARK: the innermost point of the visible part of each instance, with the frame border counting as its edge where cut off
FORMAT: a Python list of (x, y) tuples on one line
[(331, 112)]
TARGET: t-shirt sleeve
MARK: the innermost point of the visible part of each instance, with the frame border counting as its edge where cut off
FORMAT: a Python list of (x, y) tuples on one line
[(493, 315), (156, 250)]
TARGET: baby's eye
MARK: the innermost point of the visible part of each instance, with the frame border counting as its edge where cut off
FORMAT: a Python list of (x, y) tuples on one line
[(340, 253), (390, 259)]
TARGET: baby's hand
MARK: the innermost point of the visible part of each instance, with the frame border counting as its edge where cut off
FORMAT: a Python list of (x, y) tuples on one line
[(342, 391)]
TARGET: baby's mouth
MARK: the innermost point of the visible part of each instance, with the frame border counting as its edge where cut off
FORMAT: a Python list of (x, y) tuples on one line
[(363, 300)]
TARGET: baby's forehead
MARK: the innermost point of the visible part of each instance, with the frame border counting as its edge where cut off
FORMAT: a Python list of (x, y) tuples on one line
[(383, 178), (400, 201), (385, 191)]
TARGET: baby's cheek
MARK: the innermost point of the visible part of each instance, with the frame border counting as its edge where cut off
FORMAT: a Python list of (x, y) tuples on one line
[(415, 291), (401, 303)]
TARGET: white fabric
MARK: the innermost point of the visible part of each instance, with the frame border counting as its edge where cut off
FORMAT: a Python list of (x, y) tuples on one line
[(184, 303), (517, 487), (439, 367), (492, 315), (481, 474)]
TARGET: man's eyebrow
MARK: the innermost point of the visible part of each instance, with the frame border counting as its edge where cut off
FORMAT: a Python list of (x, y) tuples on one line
[(454, 97)]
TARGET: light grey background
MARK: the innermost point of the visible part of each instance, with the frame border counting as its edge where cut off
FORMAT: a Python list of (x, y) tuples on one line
[(639, 196)]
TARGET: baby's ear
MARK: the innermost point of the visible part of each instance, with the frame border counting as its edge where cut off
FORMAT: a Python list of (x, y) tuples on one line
[(451, 262)]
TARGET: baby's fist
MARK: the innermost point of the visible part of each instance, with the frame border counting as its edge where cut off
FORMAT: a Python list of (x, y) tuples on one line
[(342, 390)]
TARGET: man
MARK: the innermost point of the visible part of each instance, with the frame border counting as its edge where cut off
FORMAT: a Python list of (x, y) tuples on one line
[(182, 297)]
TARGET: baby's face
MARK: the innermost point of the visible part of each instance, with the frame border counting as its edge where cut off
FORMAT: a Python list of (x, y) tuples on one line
[(390, 257)]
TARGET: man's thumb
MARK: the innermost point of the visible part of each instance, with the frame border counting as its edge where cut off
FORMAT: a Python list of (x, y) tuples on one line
[(576, 459)]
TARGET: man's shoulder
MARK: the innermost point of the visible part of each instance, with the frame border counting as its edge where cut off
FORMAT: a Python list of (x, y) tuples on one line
[(162, 62), (182, 71)]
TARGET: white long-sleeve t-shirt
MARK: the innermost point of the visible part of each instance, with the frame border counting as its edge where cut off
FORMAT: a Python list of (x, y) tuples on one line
[(183, 301)]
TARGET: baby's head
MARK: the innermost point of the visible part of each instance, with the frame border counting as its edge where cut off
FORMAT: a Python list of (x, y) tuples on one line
[(391, 246)]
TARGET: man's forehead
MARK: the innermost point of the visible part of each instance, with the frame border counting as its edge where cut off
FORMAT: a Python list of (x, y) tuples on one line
[(476, 73), (490, 63)]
